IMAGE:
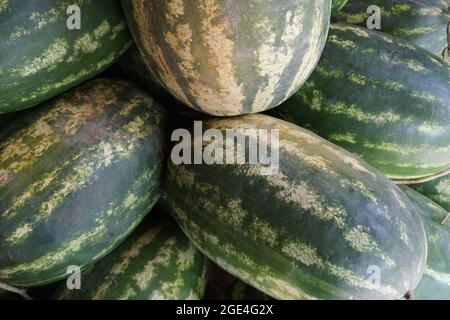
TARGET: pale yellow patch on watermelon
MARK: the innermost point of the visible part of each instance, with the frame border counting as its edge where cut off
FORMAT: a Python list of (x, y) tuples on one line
[(346, 44), (54, 54), (55, 257), (227, 97), (117, 29), (4, 4), (185, 258), (343, 137), (162, 258), (310, 257), (273, 58), (263, 233), (359, 239), (280, 288), (302, 253), (20, 234)]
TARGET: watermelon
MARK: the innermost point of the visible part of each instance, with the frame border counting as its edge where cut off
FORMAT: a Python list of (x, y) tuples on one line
[(381, 98), (437, 190), (337, 5), (40, 57), (422, 22), (435, 284), (228, 58), (77, 174), (316, 228), (157, 262), (239, 290)]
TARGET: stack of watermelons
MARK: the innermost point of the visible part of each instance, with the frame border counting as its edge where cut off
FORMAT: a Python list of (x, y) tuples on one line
[(88, 180)]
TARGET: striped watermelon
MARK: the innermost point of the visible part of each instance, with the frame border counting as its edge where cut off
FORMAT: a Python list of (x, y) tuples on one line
[(77, 174), (230, 57), (379, 97), (155, 262), (40, 57), (337, 5), (422, 22), (239, 290), (435, 283), (315, 229), (437, 190)]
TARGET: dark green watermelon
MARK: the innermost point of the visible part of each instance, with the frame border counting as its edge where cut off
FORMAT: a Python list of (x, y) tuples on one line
[(40, 57), (77, 175), (315, 228)]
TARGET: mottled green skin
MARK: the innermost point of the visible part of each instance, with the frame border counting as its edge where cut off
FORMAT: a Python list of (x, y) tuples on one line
[(311, 230), (77, 175), (40, 57), (217, 58), (422, 22), (239, 290), (437, 190), (435, 283), (337, 5), (156, 262), (381, 98)]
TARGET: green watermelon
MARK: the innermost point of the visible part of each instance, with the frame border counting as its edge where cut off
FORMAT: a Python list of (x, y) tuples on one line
[(435, 284), (437, 190), (155, 262), (337, 5), (381, 98), (316, 228), (422, 22), (239, 290), (230, 57), (40, 57), (77, 174)]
